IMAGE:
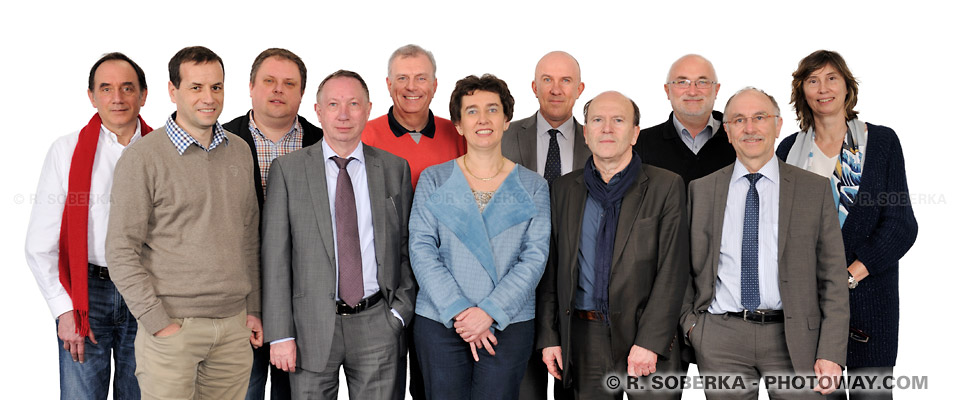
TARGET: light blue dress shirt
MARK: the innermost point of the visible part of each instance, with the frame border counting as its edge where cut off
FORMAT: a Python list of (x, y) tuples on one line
[(564, 141), (727, 293), (695, 143)]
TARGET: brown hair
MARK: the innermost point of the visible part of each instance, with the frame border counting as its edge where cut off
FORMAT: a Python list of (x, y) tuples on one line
[(487, 83), (807, 66), (283, 54), (342, 73), (195, 54)]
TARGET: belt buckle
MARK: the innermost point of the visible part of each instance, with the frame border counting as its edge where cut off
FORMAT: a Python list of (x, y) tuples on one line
[(102, 273)]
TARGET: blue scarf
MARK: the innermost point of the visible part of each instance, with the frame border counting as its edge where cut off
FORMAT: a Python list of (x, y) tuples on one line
[(609, 197)]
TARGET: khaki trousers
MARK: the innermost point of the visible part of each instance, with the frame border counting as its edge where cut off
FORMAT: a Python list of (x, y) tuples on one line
[(208, 358)]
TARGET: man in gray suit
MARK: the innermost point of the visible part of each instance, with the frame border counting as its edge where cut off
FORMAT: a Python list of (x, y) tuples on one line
[(337, 283), (550, 141), (769, 296), (610, 297)]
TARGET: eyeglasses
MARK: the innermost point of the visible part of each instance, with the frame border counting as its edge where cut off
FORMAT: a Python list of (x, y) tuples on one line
[(740, 122), (685, 83), (859, 335)]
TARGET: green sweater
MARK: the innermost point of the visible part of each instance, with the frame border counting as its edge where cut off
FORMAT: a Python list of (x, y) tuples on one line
[(183, 238)]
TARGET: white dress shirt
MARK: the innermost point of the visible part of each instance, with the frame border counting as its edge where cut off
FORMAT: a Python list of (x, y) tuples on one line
[(43, 231), (727, 293), (564, 140)]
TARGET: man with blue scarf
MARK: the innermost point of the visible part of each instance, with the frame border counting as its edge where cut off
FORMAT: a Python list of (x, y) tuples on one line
[(610, 296)]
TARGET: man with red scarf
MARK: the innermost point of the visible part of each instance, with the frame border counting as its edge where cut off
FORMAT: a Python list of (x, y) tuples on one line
[(68, 225)]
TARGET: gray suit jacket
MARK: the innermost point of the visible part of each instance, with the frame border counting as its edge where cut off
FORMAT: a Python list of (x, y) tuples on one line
[(649, 272), (810, 260), (519, 144), (299, 269)]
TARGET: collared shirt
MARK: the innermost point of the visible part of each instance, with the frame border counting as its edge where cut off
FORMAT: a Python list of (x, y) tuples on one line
[(181, 139), (696, 143), (590, 229), (43, 231), (399, 130), (564, 140), (727, 294), (268, 150)]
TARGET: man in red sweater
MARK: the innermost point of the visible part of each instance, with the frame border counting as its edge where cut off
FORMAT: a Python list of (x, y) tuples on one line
[(409, 129)]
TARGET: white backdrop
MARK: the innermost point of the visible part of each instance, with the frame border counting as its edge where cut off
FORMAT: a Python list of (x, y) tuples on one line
[(892, 48)]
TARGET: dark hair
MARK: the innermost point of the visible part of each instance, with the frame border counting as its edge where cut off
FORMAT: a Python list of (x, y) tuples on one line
[(636, 111), (810, 64), (342, 73), (487, 83), (141, 77), (283, 54), (196, 54)]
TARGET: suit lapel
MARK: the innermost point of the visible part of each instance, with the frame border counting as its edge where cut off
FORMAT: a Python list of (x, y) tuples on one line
[(629, 211), (787, 182), (527, 136), (378, 207), (316, 173), (720, 190), (571, 242)]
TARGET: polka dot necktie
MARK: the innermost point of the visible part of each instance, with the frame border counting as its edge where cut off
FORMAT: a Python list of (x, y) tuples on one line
[(551, 169), (349, 265), (749, 250)]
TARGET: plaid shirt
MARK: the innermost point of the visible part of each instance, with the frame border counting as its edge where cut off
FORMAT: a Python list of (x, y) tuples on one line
[(267, 150), (181, 139)]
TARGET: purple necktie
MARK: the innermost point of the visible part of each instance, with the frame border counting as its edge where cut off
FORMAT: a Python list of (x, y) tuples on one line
[(350, 284)]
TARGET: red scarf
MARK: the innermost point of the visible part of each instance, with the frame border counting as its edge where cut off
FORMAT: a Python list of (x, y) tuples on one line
[(73, 227)]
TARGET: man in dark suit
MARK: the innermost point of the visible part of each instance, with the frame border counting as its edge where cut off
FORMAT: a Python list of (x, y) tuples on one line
[(549, 142), (272, 128), (692, 141), (768, 296), (618, 262), (337, 282)]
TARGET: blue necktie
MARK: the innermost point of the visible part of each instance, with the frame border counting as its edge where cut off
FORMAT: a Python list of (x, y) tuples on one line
[(551, 169), (749, 279)]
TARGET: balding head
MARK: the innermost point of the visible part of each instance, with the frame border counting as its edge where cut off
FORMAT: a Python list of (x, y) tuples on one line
[(692, 101), (557, 85), (611, 128)]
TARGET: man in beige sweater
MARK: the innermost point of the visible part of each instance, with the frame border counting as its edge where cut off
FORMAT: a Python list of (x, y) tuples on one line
[(182, 243)]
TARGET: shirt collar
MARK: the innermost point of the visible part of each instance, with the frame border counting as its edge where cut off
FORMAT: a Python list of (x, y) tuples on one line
[(712, 127), (399, 130), (770, 170), (112, 137), (296, 128), (182, 140), (566, 128), (328, 152)]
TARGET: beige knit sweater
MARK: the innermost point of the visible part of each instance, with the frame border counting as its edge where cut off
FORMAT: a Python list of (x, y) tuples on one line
[(183, 238)]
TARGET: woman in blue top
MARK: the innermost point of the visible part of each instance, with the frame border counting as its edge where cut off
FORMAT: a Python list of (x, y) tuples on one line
[(479, 238), (870, 192)]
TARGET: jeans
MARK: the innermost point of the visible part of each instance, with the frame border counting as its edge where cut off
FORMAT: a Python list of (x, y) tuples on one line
[(115, 329), (449, 371)]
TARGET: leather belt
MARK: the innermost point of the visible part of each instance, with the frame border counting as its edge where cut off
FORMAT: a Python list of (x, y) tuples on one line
[(589, 315), (98, 272), (344, 309), (759, 317)]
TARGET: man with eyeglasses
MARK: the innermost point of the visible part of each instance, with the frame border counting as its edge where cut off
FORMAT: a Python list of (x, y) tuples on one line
[(768, 291), (692, 142)]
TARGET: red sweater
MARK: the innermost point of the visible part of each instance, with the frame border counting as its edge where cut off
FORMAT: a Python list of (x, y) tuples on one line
[(445, 145)]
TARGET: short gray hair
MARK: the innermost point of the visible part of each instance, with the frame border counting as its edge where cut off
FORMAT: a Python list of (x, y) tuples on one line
[(747, 89), (412, 50)]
